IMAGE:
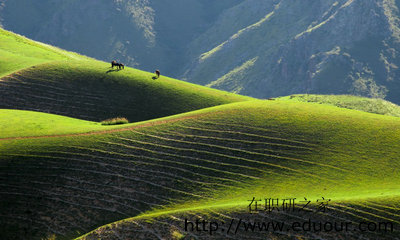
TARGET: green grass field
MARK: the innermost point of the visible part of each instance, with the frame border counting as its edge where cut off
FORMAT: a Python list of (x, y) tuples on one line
[(189, 152), (17, 52), (371, 105)]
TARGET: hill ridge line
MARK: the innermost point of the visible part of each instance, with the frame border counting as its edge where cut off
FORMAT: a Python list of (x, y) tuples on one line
[(143, 125), (19, 71)]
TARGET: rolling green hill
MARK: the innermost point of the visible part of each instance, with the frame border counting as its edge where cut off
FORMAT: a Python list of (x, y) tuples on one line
[(91, 90), (190, 152), (215, 159), (18, 52), (295, 150), (55, 81), (16, 123), (371, 105)]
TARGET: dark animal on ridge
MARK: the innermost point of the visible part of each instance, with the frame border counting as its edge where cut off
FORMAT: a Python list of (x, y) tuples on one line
[(118, 65), (157, 73)]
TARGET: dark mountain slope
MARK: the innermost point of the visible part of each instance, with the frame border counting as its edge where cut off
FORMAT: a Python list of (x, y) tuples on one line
[(305, 46)]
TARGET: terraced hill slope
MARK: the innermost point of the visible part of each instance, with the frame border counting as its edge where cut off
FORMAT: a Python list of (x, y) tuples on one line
[(277, 150), (342, 217), (209, 160)]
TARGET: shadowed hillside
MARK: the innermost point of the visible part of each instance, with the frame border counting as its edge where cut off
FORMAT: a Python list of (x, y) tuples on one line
[(345, 218)]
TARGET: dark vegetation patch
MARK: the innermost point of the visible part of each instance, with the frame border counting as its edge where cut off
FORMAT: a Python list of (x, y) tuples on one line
[(115, 121)]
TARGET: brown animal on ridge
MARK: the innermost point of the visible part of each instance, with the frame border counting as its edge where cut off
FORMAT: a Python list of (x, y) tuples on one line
[(114, 63), (157, 73)]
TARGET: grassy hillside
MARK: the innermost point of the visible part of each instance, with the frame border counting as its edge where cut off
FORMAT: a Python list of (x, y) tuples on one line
[(15, 123), (18, 52), (72, 85), (91, 90), (214, 159), (346, 215), (286, 150), (349, 220), (371, 105)]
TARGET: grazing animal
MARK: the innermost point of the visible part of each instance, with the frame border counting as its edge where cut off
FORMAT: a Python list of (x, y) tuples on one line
[(118, 65), (157, 73)]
